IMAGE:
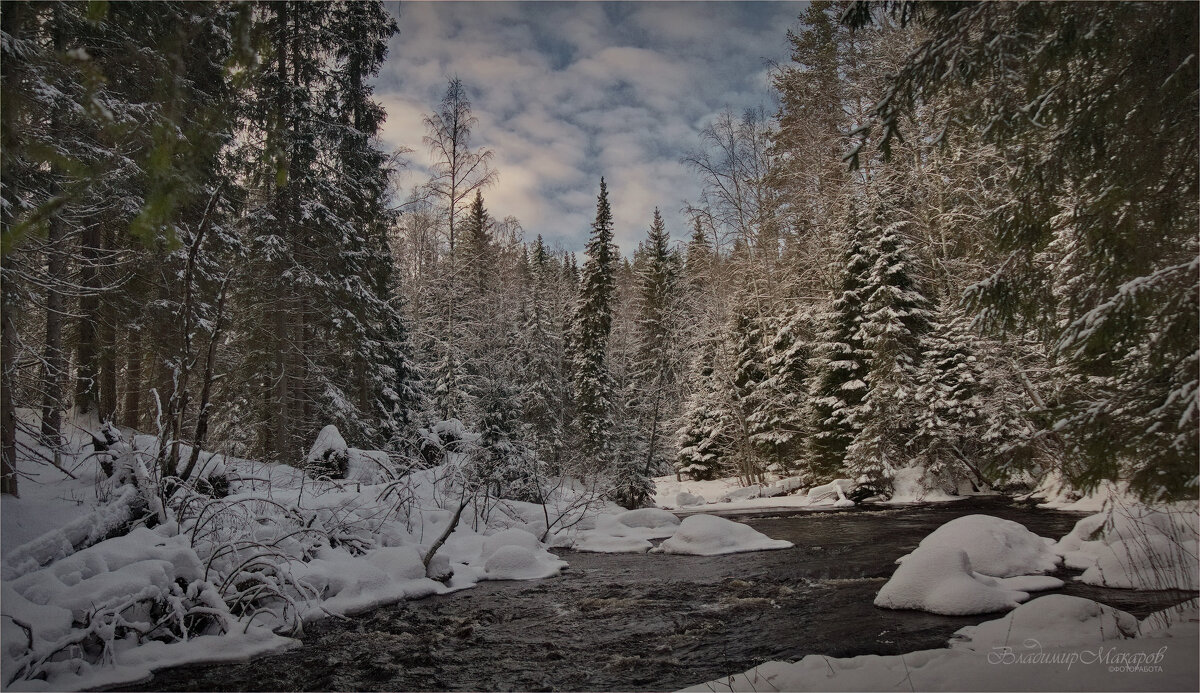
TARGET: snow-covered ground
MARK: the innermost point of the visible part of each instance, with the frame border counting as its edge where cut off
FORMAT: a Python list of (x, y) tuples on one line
[(91, 600), (1053, 643)]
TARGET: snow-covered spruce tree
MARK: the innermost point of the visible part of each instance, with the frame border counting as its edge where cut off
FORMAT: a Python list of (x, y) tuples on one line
[(896, 319), (953, 397), (780, 422), (504, 464), (1111, 150), (840, 362), (594, 391), (701, 438), (544, 381), (657, 364), (321, 331)]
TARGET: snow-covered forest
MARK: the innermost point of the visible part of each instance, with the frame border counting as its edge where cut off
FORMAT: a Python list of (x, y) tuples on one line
[(954, 253)]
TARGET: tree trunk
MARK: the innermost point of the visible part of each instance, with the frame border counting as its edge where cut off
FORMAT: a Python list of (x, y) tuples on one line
[(53, 357), (8, 367), (133, 380), (10, 20), (87, 374)]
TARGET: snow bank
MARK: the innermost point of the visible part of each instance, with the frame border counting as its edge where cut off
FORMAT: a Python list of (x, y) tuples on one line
[(1059, 644), (627, 532), (684, 499), (709, 535), (939, 579), (512, 562), (1134, 546), (1055, 618), (996, 547)]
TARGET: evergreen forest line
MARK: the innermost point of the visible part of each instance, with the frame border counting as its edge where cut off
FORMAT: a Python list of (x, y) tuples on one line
[(963, 244)]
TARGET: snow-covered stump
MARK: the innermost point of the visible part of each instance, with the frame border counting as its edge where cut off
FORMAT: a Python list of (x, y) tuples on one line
[(329, 455)]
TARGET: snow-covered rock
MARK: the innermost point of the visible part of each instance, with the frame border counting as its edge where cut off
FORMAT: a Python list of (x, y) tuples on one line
[(1054, 618), (996, 547), (513, 562), (509, 537), (684, 499), (627, 532), (709, 535), (940, 579)]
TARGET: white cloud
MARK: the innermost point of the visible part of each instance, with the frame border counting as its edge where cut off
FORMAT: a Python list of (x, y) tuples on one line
[(567, 92)]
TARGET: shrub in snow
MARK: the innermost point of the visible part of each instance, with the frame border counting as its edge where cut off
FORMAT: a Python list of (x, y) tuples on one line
[(110, 597), (684, 499), (1152, 562), (513, 562), (329, 455), (939, 579), (709, 535), (1136, 547), (996, 547), (1186, 614), (1056, 619)]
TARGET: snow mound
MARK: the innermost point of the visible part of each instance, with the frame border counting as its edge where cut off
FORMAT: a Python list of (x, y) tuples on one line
[(1055, 618), (939, 579), (996, 547), (1055, 643), (833, 493), (1134, 546), (684, 499), (627, 532), (649, 518), (513, 562), (509, 537), (709, 535)]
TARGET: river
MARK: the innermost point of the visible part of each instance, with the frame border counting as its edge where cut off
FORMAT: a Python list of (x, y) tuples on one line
[(648, 622)]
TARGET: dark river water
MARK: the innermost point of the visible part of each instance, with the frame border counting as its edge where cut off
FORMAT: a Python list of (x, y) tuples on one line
[(648, 622)]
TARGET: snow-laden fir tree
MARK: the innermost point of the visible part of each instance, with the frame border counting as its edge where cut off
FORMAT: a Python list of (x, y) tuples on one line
[(896, 319), (594, 390), (656, 364), (780, 422), (840, 362), (702, 439)]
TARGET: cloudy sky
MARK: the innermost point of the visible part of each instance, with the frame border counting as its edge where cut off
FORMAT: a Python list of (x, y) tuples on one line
[(566, 92)]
